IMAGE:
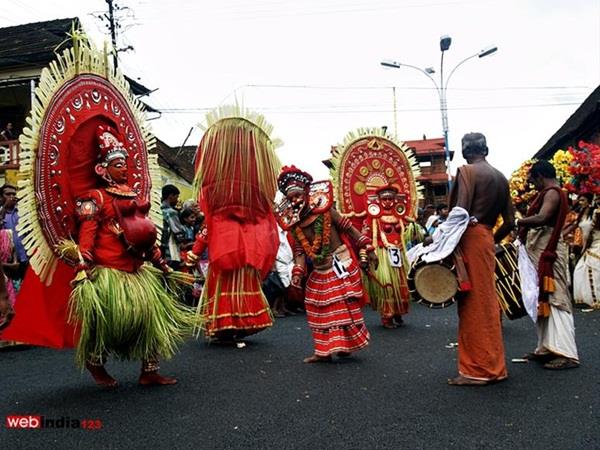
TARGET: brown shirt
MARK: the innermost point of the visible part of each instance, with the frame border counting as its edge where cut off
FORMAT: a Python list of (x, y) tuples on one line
[(483, 191)]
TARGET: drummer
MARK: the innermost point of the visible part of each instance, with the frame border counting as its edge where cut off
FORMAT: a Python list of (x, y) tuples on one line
[(482, 191)]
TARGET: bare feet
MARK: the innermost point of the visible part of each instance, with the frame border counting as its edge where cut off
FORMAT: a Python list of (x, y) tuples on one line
[(155, 379), (464, 381), (388, 323), (399, 320), (101, 376), (316, 359)]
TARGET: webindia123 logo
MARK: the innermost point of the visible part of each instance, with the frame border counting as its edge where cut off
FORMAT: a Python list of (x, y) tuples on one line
[(31, 421)]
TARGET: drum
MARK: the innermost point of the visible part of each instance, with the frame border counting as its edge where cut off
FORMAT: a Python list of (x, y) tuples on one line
[(433, 284), (508, 282)]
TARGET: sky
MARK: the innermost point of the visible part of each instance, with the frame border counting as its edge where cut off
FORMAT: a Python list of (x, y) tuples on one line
[(312, 67)]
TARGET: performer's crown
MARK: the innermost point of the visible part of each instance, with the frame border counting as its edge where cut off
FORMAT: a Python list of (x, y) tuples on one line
[(293, 178), (111, 147)]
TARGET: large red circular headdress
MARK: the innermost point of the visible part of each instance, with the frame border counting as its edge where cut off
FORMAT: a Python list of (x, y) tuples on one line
[(79, 93), (368, 160)]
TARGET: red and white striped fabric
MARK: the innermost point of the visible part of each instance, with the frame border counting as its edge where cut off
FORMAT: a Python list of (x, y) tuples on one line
[(333, 309)]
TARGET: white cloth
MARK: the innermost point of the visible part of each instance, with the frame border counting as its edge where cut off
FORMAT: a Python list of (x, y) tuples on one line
[(284, 262), (586, 277), (556, 334), (430, 221), (445, 238), (530, 286)]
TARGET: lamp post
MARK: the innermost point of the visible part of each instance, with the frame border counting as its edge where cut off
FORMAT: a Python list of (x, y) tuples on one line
[(442, 87)]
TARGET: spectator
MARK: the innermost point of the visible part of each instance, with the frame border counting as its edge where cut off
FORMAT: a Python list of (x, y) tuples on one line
[(441, 214), (173, 234), (7, 134), (187, 217), (10, 217)]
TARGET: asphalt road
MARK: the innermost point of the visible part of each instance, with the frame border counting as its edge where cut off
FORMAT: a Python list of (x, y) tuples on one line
[(391, 395)]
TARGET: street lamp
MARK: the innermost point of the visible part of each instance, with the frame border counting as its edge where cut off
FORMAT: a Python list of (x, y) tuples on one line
[(442, 87)]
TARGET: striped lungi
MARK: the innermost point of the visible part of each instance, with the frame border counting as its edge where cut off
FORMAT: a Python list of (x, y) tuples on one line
[(333, 308)]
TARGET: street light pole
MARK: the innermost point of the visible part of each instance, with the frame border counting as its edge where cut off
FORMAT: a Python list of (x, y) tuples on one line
[(442, 88)]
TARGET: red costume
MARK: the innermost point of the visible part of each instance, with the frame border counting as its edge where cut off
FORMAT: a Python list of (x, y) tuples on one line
[(237, 178), (375, 180), (84, 206), (334, 291)]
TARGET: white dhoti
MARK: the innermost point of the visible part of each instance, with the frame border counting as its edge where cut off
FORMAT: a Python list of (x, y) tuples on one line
[(556, 334)]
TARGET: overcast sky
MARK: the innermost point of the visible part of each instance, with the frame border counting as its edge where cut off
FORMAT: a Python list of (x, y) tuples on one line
[(312, 67)]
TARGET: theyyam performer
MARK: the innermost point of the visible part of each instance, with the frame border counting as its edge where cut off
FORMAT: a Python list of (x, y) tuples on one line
[(236, 178), (85, 200), (375, 185), (334, 290)]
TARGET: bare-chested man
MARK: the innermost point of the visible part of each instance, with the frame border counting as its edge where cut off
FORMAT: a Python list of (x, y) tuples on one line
[(542, 232), (482, 191), (334, 288)]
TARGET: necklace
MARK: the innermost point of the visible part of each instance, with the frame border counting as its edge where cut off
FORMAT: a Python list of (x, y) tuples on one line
[(319, 249)]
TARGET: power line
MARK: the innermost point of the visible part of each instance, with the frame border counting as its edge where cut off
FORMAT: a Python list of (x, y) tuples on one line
[(333, 110)]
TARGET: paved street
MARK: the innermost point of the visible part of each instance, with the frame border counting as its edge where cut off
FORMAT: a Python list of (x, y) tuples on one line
[(392, 395)]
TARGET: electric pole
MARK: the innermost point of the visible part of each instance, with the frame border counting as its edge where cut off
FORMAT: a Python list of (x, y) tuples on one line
[(113, 31)]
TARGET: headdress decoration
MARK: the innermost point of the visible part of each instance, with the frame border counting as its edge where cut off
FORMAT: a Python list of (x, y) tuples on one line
[(369, 158), (78, 91), (110, 145), (237, 143), (291, 178)]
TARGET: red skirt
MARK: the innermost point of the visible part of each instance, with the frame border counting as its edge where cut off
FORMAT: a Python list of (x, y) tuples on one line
[(333, 309), (233, 300)]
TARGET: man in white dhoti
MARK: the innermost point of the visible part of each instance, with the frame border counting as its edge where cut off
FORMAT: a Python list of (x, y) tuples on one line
[(541, 233)]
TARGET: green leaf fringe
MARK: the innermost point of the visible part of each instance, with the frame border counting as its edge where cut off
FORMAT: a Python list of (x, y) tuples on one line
[(130, 315)]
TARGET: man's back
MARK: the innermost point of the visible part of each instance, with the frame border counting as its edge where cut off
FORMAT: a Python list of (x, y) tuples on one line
[(488, 190)]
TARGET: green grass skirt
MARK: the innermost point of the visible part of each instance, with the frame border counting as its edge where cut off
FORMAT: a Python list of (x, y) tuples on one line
[(387, 283), (129, 315)]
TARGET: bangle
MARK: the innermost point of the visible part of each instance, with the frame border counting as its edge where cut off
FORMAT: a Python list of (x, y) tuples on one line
[(363, 241), (298, 270)]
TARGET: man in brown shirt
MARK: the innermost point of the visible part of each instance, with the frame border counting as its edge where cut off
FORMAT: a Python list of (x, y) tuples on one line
[(482, 191)]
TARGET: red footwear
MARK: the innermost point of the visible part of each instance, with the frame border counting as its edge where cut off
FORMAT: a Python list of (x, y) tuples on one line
[(101, 376), (155, 379)]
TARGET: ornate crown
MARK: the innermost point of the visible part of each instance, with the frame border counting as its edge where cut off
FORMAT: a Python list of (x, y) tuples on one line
[(111, 147), (292, 178)]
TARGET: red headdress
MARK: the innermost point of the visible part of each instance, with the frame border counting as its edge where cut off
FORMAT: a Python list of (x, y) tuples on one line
[(292, 178), (110, 144)]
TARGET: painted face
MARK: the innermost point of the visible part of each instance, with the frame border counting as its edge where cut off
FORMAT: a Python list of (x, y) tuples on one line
[(297, 198), (387, 200), (117, 170)]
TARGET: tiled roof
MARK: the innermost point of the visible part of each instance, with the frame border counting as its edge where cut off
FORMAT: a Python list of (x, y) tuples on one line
[(32, 45), (178, 160), (580, 126)]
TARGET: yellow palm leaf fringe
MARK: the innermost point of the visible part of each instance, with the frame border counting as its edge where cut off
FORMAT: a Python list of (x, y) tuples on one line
[(237, 141), (82, 58)]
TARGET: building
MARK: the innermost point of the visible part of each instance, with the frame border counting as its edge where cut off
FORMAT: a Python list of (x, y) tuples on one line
[(27, 49), (431, 155), (583, 125)]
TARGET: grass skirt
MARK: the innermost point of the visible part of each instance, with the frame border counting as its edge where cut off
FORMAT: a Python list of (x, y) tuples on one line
[(388, 289), (129, 315)]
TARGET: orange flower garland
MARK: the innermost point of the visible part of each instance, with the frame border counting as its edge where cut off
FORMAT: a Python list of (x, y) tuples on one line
[(322, 236)]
